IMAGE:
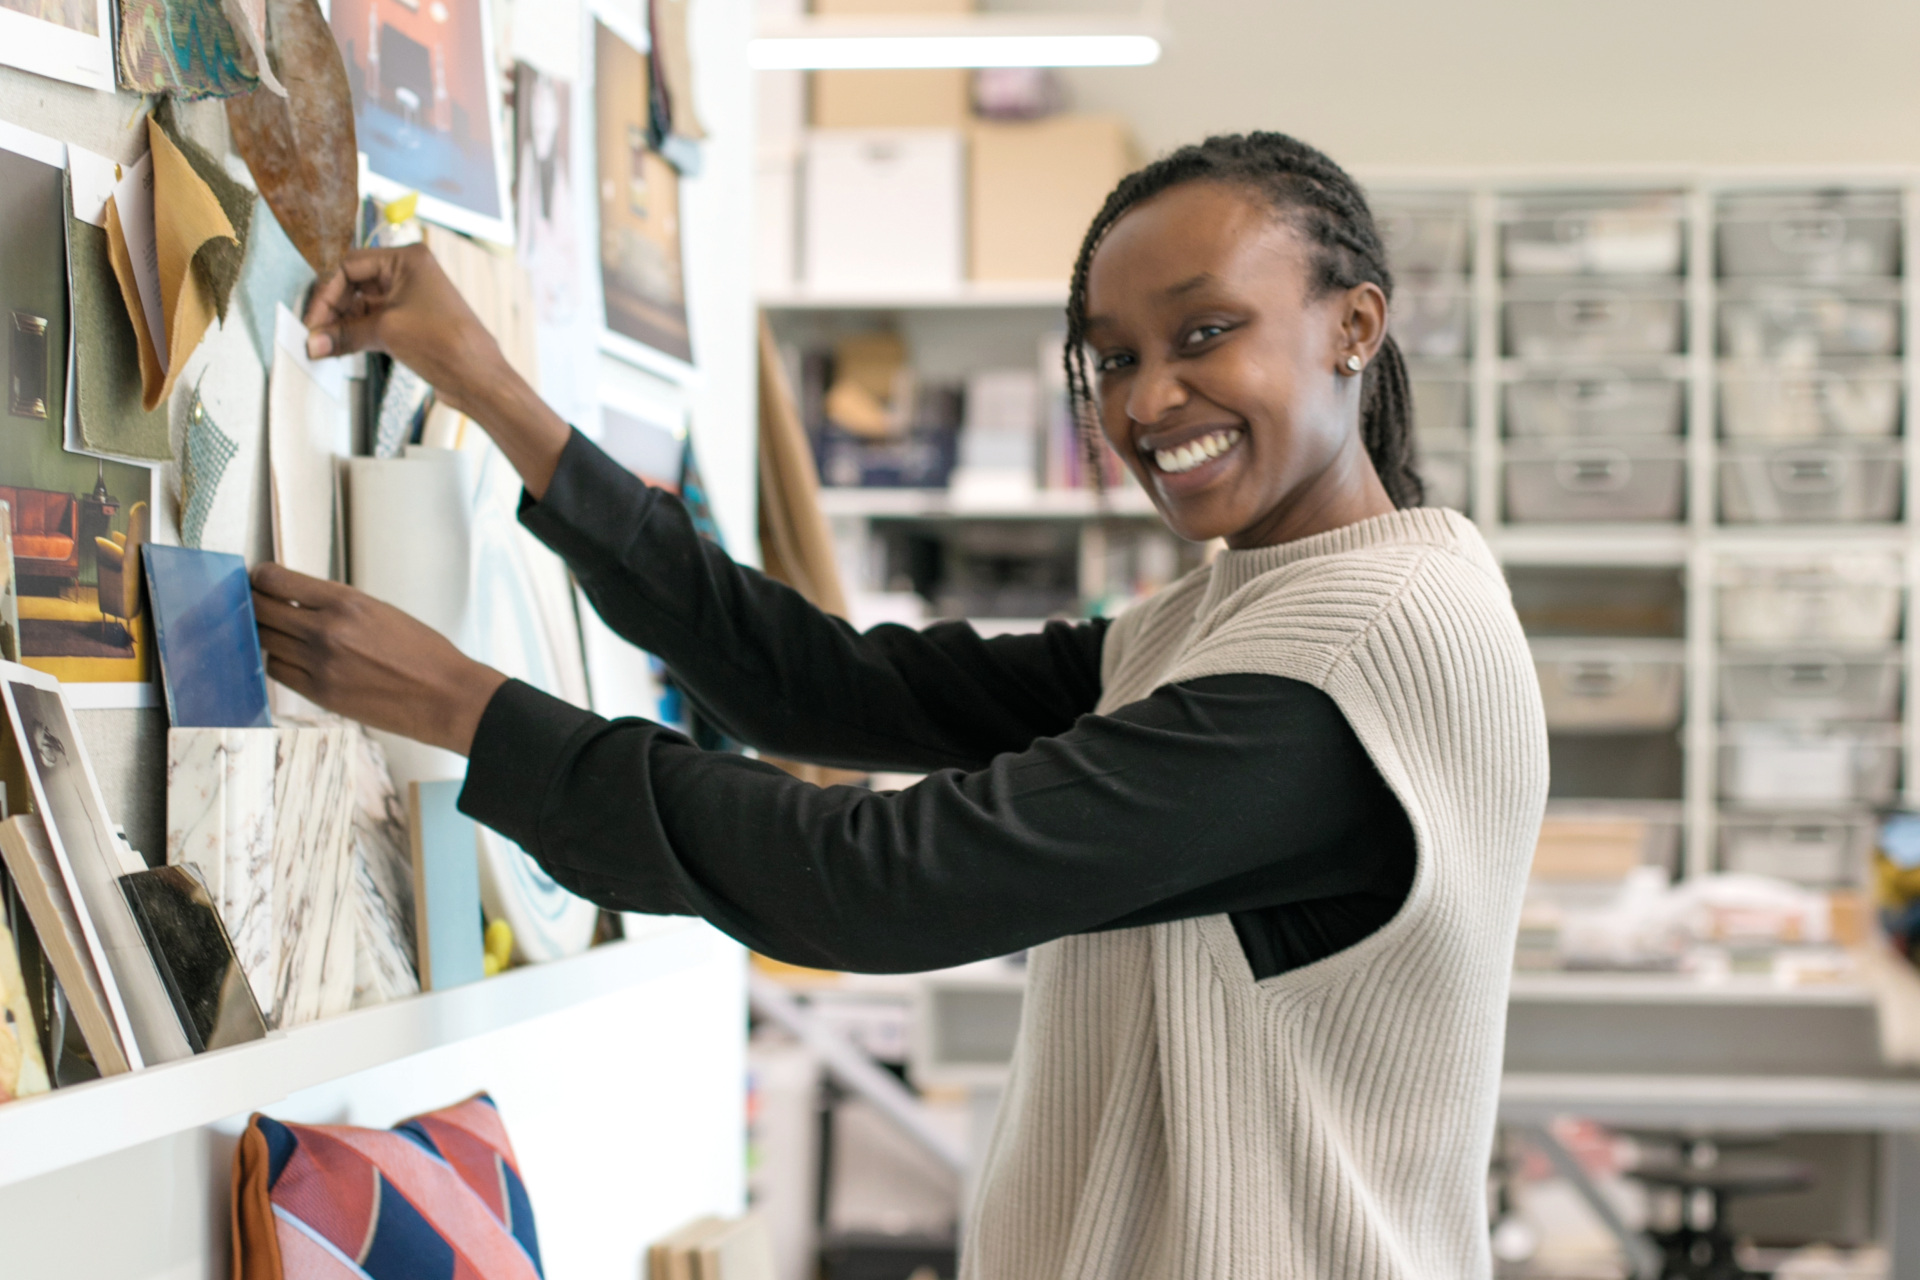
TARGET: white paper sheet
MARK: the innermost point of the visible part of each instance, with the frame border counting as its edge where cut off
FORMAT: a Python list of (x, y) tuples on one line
[(309, 427), (133, 200)]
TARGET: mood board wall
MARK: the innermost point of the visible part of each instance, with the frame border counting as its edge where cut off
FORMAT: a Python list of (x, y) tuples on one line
[(626, 1101)]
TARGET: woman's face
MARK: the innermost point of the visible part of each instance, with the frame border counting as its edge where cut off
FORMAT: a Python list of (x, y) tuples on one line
[(1220, 379)]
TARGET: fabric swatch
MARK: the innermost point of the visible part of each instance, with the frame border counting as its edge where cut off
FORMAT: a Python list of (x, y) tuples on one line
[(199, 253), (204, 458), (187, 48)]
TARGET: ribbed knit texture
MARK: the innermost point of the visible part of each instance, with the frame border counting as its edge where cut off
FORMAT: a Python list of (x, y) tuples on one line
[(1170, 1117)]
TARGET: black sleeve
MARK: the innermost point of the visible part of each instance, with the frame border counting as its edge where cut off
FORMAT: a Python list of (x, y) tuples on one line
[(1219, 795), (778, 674)]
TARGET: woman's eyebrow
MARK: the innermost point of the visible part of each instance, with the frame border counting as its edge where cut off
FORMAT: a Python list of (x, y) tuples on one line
[(1192, 284)]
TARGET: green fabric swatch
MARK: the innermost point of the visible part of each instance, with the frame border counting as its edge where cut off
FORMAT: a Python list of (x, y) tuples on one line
[(107, 372)]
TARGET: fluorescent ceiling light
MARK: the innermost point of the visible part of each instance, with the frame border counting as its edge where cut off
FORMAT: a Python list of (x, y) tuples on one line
[(876, 52)]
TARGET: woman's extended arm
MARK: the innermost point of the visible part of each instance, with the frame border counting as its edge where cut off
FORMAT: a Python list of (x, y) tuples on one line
[(761, 661), (1227, 794), (780, 675)]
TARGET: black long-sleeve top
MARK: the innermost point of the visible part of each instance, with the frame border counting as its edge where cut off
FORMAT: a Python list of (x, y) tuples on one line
[(1241, 794)]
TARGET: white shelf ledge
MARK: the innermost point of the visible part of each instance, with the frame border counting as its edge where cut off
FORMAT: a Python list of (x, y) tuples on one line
[(1060, 504), (969, 295), (68, 1126), (1843, 1104), (1675, 988)]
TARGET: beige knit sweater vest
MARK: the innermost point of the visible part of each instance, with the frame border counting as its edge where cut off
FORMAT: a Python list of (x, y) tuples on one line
[(1170, 1117)]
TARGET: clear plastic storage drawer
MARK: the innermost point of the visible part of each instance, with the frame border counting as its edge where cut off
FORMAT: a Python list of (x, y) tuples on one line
[(1814, 235), (1613, 235), (1849, 600), (1803, 321), (1610, 685), (1431, 323), (1620, 481), (1810, 848), (1795, 765), (1803, 686), (1819, 482), (1440, 398), (1593, 319), (1595, 402), (1445, 463), (1832, 398), (1425, 234)]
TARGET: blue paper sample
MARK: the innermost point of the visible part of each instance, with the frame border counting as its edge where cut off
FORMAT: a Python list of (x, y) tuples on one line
[(446, 887), (209, 648)]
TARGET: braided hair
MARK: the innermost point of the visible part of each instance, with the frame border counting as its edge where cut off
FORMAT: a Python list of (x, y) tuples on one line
[(1328, 210)]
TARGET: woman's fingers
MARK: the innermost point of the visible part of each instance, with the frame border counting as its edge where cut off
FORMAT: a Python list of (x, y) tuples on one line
[(281, 583)]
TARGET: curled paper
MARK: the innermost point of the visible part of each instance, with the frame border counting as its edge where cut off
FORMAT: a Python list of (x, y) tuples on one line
[(301, 148), (195, 255)]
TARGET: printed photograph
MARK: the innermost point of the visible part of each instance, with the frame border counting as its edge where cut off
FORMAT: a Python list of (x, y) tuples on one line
[(424, 106), (75, 523), (69, 40), (543, 196), (640, 269), (75, 15)]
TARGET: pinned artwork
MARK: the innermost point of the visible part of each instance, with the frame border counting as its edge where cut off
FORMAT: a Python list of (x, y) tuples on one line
[(425, 111), (69, 40), (640, 264), (543, 195), (300, 146), (75, 622), (186, 48), (203, 627)]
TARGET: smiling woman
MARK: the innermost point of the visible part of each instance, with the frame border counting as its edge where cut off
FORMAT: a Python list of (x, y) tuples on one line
[(1265, 836)]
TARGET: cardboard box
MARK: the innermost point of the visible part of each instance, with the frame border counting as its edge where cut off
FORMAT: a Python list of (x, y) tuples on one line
[(890, 8), (883, 209), (1034, 187), (935, 99)]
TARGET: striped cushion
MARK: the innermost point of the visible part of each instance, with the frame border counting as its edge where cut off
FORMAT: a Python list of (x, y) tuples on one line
[(438, 1197)]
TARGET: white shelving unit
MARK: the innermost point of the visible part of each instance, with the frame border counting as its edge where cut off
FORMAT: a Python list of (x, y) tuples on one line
[(1696, 546)]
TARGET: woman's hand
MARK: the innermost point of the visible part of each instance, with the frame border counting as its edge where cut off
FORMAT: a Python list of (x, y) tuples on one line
[(369, 661), (399, 301)]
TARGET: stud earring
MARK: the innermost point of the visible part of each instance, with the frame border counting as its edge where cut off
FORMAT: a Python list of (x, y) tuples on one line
[(1353, 364)]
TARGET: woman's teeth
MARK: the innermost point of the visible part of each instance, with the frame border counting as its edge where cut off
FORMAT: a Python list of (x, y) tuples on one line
[(1191, 454)]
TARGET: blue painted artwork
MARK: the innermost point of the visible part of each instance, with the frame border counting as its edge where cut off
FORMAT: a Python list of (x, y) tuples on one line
[(209, 648)]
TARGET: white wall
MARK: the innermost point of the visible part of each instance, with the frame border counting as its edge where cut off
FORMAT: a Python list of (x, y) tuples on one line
[(716, 221), (1537, 82)]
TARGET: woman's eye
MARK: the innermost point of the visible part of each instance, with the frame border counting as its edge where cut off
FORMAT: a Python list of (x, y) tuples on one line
[(1201, 333), (1113, 363)]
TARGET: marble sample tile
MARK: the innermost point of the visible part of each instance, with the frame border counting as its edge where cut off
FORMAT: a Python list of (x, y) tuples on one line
[(313, 873), (220, 791), (384, 951)]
